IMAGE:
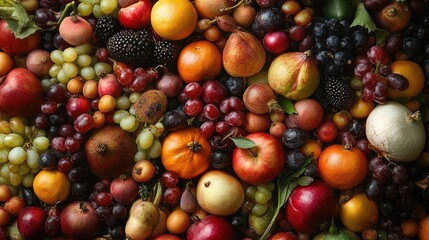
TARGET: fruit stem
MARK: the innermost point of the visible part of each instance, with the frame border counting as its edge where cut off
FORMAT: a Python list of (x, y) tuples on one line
[(65, 10), (416, 116), (102, 148), (83, 207), (333, 230), (253, 153), (157, 194), (225, 9), (194, 146)]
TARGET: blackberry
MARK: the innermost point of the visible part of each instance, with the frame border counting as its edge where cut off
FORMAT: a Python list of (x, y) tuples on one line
[(337, 92), (166, 52), (134, 48), (105, 27)]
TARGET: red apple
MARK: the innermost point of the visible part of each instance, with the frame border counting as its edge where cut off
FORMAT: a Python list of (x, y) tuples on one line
[(276, 42), (308, 207), (136, 16), (31, 222), (21, 93), (262, 163), (326, 131), (283, 236), (166, 236), (309, 114), (15, 46)]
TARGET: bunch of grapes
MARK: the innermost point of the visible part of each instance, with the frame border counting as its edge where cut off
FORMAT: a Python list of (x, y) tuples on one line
[(376, 75), (77, 62), (335, 43), (148, 142), (21, 144), (97, 8)]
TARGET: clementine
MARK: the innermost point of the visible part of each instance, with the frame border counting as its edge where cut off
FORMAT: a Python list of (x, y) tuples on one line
[(342, 167), (51, 186), (6, 63), (173, 19), (359, 213), (199, 60), (416, 79), (424, 228)]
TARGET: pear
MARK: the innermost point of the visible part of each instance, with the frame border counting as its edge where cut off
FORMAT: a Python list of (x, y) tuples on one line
[(243, 54)]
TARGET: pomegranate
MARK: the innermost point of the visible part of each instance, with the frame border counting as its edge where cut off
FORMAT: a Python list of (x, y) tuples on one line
[(78, 221), (211, 227), (124, 189), (110, 151), (311, 206)]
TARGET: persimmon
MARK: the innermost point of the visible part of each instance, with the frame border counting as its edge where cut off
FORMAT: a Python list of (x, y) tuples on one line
[(200, 60)]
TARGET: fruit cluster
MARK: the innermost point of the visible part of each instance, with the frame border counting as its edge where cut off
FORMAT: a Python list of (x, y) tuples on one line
[(214, 119)]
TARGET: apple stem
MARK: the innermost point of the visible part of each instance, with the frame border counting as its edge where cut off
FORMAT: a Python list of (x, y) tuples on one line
[(253, 153), (65, 10)]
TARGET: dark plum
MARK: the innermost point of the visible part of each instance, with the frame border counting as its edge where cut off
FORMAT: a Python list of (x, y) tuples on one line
[(235, 86), (294, 159), (220, 160), (47, 160), (412, 46), (294, 137), (175, 120), (81, 189), (374, 4), (394, 43), (269, 19)]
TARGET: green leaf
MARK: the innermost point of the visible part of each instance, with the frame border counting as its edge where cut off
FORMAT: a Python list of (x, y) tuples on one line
[(19, 22), (304, 180), (287, 105), (363, 18), (243, 143)]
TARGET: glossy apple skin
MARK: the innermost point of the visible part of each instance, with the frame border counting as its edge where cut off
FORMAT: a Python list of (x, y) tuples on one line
[(21, 93), (276, 42), (31, 222), (260, 164), (283, 236), (15, 46), (311, 206), (136, 16)]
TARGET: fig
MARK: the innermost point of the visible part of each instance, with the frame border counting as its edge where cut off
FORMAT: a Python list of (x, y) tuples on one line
[(243, 55), (151, 106), (188, 202), (110, 151)]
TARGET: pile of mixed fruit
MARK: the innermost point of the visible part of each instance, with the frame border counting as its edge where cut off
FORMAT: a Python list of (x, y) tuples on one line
[(214, 119)]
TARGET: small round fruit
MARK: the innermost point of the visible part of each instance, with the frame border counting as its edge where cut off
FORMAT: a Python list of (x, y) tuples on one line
[(143, 171), (51, 186), (413, 73), (358, 213), (178, 221), (75, 30), (6, 63)]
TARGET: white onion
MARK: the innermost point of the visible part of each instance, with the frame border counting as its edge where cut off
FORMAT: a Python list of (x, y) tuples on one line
[(395, 132)]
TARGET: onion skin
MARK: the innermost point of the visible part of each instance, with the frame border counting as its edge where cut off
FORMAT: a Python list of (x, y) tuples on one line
[(394, 134), (294, 75)]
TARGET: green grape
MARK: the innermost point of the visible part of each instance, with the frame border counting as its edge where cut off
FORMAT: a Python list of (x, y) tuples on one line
[(62, 77), (46, 83), (17, 155), (27, 180), (140, 155), (4, 127), (263, 188), (84, 60), (69, 54), (17, 125), (13, 140), (35, 170), (96, 11), (145, 139), (250, 192), (54, 70), (128, 123), (132, 111), (57, 56), (123, 102), (15, 179), (70, 69), (4, 152), (23, 168), (262, 197), (87, 73), (13, 168), (134, 97), (158, 129), (155, 150), (4, 171), (102, 68), (4, 181), (28, 132), (259, 209), (107, 6), (85, 48), (84, 9), (41, 143), (2, 135), (247, 205), (32, 158), (119, 114)]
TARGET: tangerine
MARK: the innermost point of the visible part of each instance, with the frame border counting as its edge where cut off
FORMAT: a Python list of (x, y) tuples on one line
[(359, 213), (342, 167), (416, 79), (200, 60), (424, 228), (173, 19), (51, 186), (6, 63), (178, 221)]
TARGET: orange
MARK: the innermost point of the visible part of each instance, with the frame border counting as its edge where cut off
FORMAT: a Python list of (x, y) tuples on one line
[(409, 228), (199, 60), (424, 228), (342, 167), (173, 19), (359, 213), (416, 79), (51, 186), (6, 63)]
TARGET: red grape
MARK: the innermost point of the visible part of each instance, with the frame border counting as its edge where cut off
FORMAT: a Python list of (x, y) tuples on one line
[(171, 196), (83, 123), (103, 199), (169, 179)]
